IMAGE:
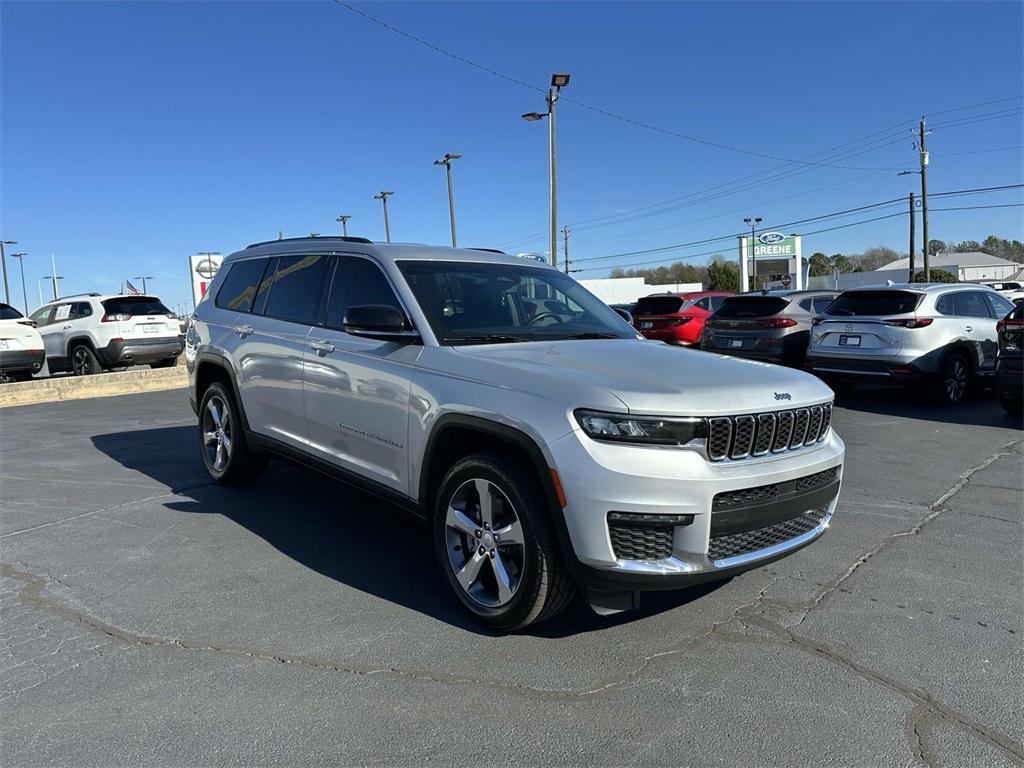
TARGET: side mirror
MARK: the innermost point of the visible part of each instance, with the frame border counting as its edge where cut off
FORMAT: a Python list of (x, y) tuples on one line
[(625, 315), (378, 321)]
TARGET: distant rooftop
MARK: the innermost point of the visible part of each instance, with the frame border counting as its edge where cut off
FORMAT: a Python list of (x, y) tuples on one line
[(968, 259)]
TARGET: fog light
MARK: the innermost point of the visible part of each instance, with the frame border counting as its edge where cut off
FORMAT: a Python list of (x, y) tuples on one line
[(641, 518)]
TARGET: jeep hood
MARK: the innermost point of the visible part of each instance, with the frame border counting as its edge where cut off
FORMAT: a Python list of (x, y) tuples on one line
[(647, 376)]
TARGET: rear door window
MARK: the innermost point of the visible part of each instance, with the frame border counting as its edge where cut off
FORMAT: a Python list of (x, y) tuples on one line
[(751, 306), (357, 282), (80, 309), (999, 305), (971, 304), (297, 287), (944, 306), (874, 303), (239, 287), (135, 305), (822, 303), (658, 305)]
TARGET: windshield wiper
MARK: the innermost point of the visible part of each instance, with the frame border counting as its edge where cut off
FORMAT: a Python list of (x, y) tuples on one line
[(591, 335), (489, 338)]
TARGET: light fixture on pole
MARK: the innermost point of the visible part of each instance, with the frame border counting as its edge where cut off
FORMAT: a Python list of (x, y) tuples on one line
[(24, 295), (344, 224), (446, 161), (383, 197), (143, 279), (752, 223), (3, 260), (558, 81), (53, 280)]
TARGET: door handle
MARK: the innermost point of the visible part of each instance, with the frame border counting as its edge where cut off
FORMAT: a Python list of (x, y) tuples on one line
[(969, 328), (243, 330), (321, 347), (66, 327)]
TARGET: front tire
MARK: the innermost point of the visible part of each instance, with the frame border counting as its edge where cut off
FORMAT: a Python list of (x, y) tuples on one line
[(222, 444), (954, 380), (84, 361), (495, 545)]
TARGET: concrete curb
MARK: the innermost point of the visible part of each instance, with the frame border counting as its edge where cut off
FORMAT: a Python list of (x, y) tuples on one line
[(100, 385)]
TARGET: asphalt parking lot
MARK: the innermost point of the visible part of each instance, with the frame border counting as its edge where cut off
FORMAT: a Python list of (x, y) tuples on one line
[(149, 617)]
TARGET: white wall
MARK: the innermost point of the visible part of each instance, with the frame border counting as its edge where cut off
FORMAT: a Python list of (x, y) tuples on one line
[(626, 290)]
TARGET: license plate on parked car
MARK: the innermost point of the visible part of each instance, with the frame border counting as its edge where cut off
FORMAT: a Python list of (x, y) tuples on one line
[(151, 328), (736, 343), (646, 324), (3, 344), (849, 341)]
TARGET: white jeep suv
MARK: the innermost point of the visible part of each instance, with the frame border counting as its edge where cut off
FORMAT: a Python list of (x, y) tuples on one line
[(547, 444), (88, 333), (21, 348)]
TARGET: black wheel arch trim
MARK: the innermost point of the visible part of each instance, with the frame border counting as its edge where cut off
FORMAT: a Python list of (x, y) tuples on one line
[(522, 441), (224, 364)]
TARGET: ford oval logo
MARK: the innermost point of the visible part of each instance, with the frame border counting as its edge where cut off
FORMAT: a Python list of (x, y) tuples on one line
[(770, 238)]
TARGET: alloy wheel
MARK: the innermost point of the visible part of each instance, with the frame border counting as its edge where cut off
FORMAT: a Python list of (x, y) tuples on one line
[(217, 434), (956, 380), (485, 543), (80, 362)]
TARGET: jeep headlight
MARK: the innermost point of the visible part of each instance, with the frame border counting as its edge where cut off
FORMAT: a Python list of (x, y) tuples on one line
[(651, 430)]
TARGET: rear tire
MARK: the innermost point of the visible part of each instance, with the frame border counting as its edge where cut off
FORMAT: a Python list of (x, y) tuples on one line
[(954, 380), (499, 556), (84, 361), (1011, 402), (222, 444)]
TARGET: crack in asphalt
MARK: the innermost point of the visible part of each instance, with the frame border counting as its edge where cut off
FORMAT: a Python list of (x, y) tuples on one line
[(745, 619)]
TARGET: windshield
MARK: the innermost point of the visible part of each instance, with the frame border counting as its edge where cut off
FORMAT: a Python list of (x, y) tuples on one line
[(874, 303), (135, 305), (658, 305), (479, 303), (7, 312)]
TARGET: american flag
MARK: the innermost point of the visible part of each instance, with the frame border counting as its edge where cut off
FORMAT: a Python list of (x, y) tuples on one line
[(130, 289)]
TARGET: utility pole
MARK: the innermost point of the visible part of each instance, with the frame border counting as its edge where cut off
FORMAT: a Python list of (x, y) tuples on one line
[(923, 157), (24, 295), (344, 224), (383, 197), (3, 260), (752, 223), (911, 278), (565, 241), (446, 161)]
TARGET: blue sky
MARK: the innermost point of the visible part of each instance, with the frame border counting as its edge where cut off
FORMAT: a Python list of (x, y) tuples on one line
[(135, 134)]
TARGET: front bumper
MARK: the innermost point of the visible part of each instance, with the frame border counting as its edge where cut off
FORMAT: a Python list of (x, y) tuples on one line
[(599, 478), (15, 360), (140, 351)]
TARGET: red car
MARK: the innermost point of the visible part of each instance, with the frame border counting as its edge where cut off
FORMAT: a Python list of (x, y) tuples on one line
[(677, 318)]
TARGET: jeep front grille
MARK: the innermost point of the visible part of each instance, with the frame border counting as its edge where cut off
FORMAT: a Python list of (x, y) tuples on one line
[(740, 437)]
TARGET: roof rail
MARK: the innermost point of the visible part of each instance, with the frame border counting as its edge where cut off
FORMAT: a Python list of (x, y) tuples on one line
[(74, 295), (327, 237), (488, 250)]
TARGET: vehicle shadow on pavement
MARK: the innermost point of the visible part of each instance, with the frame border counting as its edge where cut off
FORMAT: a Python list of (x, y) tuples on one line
[(980, 409), (337, 531)]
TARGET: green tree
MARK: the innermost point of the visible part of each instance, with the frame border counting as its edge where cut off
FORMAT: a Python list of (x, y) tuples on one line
[(967, 246), (819, 265), (842, 263), (937, 246), (723, 276), (876, 257), (938, 276)]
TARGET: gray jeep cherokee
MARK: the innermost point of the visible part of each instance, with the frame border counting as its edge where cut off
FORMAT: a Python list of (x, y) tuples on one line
[(546, 443)]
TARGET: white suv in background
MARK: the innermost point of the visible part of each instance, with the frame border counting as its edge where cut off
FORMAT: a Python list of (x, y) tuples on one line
[(21, 348), (89, 333)]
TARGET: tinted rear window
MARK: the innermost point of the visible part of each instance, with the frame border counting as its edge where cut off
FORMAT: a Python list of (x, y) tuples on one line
[(751, 306), (135, 305), (658, 305), (874, 303), (7, 312), (239, 288)]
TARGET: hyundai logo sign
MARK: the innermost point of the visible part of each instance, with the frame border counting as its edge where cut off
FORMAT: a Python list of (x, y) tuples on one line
[(770, 238)]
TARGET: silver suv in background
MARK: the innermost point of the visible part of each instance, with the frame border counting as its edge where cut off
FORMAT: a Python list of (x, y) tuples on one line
[(774, 326), (940, 335), (88, 333), (546, 443)]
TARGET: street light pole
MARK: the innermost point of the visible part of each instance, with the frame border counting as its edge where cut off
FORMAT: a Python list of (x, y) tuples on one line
[(3, 260), (144, 279), (446, 161), (344, 224), (752, 223), (24, 295), (558, 81), (383, 197)]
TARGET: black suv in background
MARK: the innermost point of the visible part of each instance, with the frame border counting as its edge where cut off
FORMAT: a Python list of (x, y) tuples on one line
[(1010, 360)]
